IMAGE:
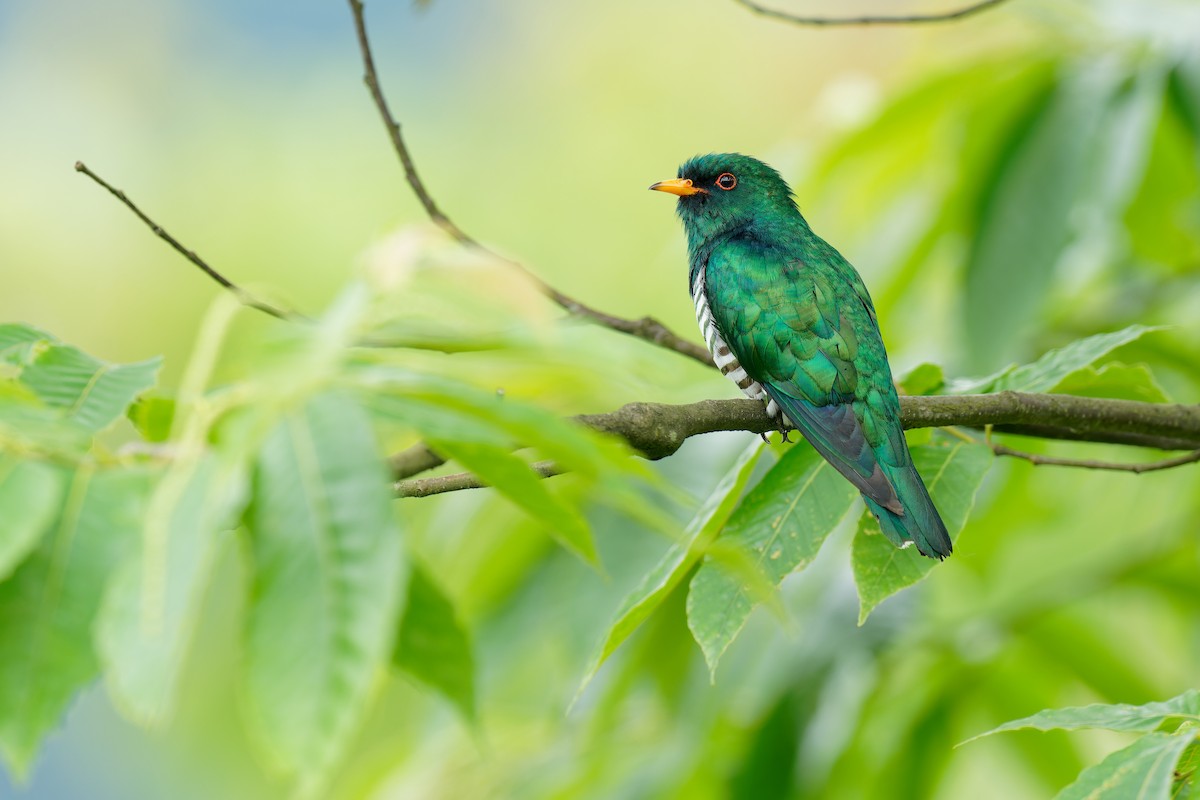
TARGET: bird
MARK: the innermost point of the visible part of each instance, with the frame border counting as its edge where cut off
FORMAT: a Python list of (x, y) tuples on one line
[(790, 321)]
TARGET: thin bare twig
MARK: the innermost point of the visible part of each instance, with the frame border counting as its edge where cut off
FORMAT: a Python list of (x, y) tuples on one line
[(1088, 463), (646, 328), (242, 295), (883, 19)]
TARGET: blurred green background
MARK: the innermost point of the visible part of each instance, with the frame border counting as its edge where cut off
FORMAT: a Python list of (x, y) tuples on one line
[(1005, 184)]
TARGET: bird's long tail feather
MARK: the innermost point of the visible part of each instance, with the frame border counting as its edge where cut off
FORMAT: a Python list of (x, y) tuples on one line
[(920, 524)]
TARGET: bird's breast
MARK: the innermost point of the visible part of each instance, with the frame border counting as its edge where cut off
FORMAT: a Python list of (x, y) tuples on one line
[(722, 354)]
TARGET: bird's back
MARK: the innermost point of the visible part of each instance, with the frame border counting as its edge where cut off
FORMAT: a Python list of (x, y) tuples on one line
[(800, 323)]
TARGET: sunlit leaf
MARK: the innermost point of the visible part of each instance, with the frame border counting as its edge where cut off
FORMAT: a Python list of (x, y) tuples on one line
[(677, 561), (1144, 770), (153, 602), (1056, 365), (953, 471), (12, 335), (29, 501), (923, 379), (327, 576), (432, 644), (152, 416), (1112, 717), (47, 606), (512, 477), (91, 392), (1114, 380), (782, 523)]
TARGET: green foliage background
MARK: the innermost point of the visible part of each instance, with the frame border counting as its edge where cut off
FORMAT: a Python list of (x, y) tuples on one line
[(1007, 186)]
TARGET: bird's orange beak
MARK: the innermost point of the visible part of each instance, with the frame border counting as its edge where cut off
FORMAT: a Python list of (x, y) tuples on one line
[(680, 186)]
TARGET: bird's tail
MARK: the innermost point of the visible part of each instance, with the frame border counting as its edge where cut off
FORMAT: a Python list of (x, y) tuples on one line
[(920, 523)]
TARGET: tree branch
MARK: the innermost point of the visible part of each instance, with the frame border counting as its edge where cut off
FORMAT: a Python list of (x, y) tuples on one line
[(657, 430), (245, 297), (646, 328), (1088, 463), (904, 19), (424, 487)]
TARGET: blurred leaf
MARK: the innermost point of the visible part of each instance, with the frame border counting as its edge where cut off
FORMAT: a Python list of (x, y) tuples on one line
[(1025, 216), (153, 602), (1187, 779), (91, 392), (1054, 366), (47, 606), (450, 412), (29, 501), (12, 335), (677, 561), (1118, 717), (923, 379), (25, 424), (782, 522), (153, 415), (328, 573), (1114, 380), (432, 644), (1161, 221), (1183, 90), (1144, 770), (953, 471), (432, 420), (513, 478)]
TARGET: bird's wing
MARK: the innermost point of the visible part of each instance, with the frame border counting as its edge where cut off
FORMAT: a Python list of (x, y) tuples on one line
[(807, 333)]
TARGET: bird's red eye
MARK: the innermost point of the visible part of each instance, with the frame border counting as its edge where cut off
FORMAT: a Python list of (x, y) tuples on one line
[(727, 181)]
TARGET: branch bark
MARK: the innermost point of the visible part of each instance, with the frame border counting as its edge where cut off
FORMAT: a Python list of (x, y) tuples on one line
[(657, 430), (883, 19)]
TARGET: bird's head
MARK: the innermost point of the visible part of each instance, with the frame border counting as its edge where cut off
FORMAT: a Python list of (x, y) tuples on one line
[(721, 192)]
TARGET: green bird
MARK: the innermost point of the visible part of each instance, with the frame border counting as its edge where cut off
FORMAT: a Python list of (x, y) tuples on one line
[(789, 320)]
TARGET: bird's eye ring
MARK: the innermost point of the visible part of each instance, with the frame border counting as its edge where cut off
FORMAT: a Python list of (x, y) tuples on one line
[(726, 181)]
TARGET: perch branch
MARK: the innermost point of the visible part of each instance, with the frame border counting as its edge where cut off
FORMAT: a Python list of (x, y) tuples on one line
[(882, 19), (646, 328), (245, 297), (657, 430)]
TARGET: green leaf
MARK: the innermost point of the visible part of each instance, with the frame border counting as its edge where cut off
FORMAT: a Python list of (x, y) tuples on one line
[(1114, 380), (952, 470), (1118, 717), (677, 561), (93, 393), (328, 573), (1144, 770), (12, 335), (153, 602), (1055, 366), (1057, 194), (47, 606), (25, 424), (923, 379), (153, 416), (580, 450), (1024, 215), (513, 478), (29, 496), (432, 644), (781, 523)]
